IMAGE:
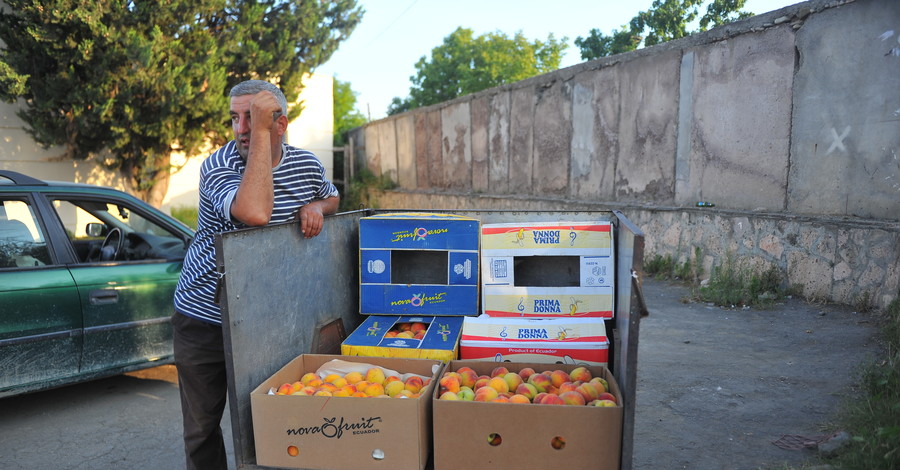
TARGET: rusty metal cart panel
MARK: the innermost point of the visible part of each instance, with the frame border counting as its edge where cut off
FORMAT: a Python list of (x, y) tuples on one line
[(283, 295)]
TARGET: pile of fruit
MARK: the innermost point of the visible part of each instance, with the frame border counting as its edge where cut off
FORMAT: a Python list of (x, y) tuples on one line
[(549, 387), (410, 330), (373, 383)]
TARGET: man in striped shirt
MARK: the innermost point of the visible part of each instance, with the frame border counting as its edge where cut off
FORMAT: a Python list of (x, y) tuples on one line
[(254, 180)]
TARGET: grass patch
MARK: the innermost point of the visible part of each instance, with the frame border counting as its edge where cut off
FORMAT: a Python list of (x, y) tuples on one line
[(186, 214), (668, 268), (874, 419), (734, 283)]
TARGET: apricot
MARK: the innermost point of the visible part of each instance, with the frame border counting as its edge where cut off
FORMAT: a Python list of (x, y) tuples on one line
[(375, 375), (414, 384), (393, 388), (293, 451), (374, 390), (353, 377), (307, 377)]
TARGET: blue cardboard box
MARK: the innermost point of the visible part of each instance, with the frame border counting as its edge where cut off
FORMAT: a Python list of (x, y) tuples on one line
[(440, 340), (419, 263)]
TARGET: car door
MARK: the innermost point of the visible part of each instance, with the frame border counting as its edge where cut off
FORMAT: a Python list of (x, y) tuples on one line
[(126, 299), (40, 310)]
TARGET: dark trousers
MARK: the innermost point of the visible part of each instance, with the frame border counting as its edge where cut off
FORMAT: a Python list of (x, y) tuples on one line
[(200, 360)]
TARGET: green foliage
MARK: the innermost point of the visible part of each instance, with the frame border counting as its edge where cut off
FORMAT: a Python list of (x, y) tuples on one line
[(664, 21), (874, 419), (187, 215), (733, 283), (666, 267), (142, 79), (465, 64), (346, 116), (355, 197)]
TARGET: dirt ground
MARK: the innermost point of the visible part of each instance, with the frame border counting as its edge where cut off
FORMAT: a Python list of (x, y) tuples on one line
[(717, 386)]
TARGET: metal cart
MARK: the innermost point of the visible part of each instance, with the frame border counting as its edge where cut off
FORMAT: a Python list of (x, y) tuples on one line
[(283, 295)]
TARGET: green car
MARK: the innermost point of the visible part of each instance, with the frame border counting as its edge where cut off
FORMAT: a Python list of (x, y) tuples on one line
[(87, 275)]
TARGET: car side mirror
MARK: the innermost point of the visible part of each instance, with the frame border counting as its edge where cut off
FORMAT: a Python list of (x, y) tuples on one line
[(95, 229)]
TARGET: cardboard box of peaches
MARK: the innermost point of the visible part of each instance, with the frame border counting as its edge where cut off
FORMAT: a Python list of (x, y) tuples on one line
[(334, 412), (574, 426)]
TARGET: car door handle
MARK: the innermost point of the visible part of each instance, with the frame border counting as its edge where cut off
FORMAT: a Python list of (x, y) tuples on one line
[(104, 296)]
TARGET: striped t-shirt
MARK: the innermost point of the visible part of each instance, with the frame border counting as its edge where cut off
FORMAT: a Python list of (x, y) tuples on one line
[(298, 179)]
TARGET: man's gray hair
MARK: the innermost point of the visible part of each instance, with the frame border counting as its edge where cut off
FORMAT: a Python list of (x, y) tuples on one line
[(252, 87)]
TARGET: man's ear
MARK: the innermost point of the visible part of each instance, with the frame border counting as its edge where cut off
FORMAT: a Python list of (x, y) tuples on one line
[(282, 123)]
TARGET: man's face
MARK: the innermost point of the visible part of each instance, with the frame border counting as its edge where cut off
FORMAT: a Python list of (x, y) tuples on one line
[(240, 123)]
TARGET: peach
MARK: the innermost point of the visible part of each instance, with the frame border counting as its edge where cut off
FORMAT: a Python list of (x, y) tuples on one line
[(466, 393), (513, 380), (497, 383), (391, 378), (394, 387), (499, 370), (588, 391), (406, 334), (608, 403), (390, 334), (568, 387), (361, 386), (341, 392), (518, 398), (500, 399), (572, 398), (353, 377), (539, 398), (307, 377), (601, 381), (404, 326), (526, 390), (419, 335), (418, 326), (481, 382), (540, 381), (486, 394), (359, 394), (375, 375), (607, 396), (526, 372), (448, 395), (285, 389), (551, 399), (467, 376), (581, 373), (559, 377), (405, 394), (449, 383), (414, 384), (323, 393)]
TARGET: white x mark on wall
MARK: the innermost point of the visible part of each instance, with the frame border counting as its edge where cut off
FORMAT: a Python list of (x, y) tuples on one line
[(838, 140)]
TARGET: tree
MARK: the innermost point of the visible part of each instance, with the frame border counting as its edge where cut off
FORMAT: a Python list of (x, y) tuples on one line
[(140, 79), (464, 64), (346, 116), (664, 21)]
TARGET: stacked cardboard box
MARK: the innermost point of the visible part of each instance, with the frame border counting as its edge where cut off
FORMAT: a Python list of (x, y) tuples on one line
[(547, 289), (415, 268)]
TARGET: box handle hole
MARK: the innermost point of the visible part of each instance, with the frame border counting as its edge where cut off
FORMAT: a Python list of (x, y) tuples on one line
[(494, 439)]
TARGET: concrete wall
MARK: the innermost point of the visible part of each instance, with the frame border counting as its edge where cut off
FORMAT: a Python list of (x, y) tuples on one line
[(789, 122), (312, 130)]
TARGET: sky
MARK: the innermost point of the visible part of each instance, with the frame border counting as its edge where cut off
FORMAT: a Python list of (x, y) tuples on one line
[(379, 57)]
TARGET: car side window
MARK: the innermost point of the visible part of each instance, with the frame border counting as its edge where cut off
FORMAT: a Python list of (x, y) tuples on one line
[(89, 223), (22, 243)]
